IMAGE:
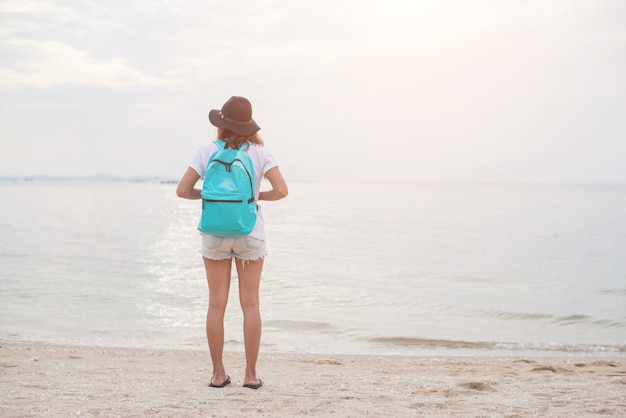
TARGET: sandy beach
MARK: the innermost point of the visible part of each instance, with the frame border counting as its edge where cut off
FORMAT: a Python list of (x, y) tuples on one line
[(45, 380)]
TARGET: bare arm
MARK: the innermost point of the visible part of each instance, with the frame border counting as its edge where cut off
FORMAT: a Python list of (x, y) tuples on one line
[(279, 186), (186, 186)]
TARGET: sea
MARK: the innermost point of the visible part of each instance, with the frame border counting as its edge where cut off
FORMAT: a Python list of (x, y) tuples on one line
[(352, 268)]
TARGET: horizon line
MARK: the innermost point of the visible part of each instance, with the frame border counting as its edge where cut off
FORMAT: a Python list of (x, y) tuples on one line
[(171, 179)]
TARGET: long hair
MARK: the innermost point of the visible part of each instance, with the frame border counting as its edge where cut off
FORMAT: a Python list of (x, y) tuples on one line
[(235, 141)]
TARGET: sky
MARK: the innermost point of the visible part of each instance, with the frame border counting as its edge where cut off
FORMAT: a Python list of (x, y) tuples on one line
[(527, 91)]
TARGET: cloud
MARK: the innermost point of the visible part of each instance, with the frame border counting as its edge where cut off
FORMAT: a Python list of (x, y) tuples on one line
[(469, 90), (32, 6), (45, 44), (48, 63)]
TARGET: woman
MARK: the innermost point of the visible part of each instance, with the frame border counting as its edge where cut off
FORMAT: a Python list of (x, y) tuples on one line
[(235, 126)]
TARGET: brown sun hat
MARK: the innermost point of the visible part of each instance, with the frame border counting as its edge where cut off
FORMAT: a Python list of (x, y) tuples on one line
[(236, 115)]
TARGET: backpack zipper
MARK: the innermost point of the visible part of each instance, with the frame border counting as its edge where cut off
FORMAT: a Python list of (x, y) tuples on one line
[(228, 168)]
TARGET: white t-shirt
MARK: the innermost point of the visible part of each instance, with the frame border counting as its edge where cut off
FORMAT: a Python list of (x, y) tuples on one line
[(263, 161)]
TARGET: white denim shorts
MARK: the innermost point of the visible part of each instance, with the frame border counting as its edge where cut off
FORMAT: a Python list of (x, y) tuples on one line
[(244, 248)]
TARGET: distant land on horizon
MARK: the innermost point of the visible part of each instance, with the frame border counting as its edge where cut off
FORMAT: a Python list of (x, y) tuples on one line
[(169, 180), (93, 177)]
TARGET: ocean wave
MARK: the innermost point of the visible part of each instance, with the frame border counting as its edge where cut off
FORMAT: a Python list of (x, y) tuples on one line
[(496, 346), (559, 320), (575, 348), (426, 342), (613, 291)]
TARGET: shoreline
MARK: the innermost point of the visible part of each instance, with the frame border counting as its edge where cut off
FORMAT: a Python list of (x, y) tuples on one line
[(411, 348), (43, 379)]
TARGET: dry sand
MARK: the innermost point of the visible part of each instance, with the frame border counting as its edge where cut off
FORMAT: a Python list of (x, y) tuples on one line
[(45, 380)]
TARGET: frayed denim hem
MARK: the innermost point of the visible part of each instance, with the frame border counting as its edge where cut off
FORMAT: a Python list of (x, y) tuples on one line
[(245, 261)]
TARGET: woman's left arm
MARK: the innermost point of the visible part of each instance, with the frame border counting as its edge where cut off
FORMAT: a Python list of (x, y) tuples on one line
[(186, 186)]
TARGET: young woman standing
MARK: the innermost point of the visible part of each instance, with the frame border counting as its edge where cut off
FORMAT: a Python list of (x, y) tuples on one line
[(235, 127)]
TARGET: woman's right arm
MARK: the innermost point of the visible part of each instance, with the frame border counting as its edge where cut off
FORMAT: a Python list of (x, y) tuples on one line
[(186, 186), (279, 186)]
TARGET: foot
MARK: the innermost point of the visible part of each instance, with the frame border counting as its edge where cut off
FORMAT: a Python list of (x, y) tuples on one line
[(224, 383), (254, 385)]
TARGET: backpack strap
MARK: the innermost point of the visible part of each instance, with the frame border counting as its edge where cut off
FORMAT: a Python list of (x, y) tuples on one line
[(221, 144)]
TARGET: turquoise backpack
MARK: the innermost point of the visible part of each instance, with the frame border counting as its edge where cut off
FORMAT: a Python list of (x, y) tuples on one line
[(228, 203)]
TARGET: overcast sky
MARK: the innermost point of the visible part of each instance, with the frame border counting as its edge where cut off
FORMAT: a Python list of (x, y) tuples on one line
[(394, 90)]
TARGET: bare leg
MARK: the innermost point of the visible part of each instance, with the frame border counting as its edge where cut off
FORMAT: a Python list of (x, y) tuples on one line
[(249, 279), (218, 278)]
